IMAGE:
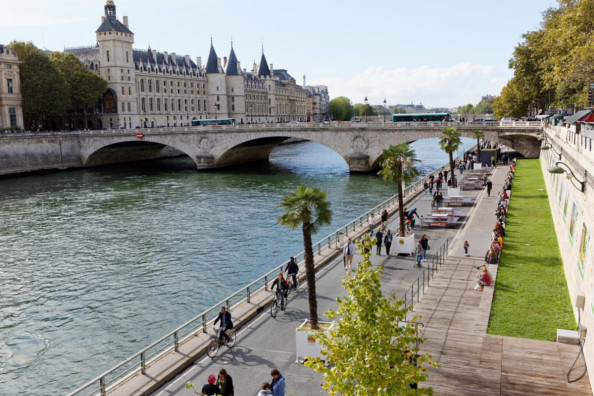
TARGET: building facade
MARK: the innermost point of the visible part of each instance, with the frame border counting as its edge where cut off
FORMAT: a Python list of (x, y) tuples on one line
[(11, 100), (147, 88)]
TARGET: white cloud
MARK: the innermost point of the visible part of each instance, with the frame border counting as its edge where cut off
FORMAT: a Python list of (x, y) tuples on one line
[(30, 13), (449, 86)]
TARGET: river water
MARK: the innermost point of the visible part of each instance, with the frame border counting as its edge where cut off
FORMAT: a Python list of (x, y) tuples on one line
[(97, 263)]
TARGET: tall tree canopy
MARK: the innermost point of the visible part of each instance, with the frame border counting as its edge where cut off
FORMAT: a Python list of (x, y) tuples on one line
[(554, 65), (340, 109)]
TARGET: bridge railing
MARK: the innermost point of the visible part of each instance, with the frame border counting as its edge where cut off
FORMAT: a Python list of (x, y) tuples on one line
[(172, 340)]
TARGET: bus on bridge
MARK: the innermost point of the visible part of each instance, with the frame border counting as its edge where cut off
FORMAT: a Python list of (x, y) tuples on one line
[(420, 117), (220, 121)]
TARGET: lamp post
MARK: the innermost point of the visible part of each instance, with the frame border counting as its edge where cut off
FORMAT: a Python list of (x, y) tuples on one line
[(251, 115), (384, 111), (365, 109), (558, 170)]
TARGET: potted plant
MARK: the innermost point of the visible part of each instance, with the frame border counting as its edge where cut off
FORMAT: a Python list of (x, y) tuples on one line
[(449, 142), (398, 167)]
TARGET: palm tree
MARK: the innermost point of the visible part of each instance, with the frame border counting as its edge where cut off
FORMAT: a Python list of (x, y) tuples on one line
[(398, 166), (307, 207), (478, 134), (449, 142)]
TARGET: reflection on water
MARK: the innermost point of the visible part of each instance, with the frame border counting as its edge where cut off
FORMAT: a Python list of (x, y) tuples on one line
[(97, 263)]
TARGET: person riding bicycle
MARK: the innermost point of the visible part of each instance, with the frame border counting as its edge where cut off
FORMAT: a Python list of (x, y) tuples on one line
[(282, 288), (292, 270), (226, 323)]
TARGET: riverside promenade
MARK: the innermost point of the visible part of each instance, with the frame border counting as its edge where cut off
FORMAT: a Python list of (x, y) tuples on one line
[(454, 314)]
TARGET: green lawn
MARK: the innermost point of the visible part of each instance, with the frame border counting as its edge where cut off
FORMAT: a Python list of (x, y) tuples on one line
[(531, 297)]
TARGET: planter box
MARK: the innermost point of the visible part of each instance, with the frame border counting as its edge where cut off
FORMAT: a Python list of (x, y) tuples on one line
[(453, 192), (307, 341), (403, 245)]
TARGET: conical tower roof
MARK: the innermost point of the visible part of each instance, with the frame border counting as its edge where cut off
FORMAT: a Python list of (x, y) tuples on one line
[(232, 64), (264, 70), (212, 66)]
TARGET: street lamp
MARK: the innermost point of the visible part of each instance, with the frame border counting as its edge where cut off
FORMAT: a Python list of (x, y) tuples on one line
[(365, 109), (384, 111), (558, 170), (551, 147), (251, 115)]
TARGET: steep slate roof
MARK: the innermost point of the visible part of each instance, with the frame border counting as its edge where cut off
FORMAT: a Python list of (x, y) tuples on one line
[(264, 70), (577, 116), (111, 24), (282, 74), (232, 64), (212, 66), (145, 58)]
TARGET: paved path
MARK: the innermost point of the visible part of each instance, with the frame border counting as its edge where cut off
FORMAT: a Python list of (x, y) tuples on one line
[(455, 315)]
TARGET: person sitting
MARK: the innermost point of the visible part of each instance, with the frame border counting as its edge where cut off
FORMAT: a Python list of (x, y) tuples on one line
[(211, 389), (483, 279)]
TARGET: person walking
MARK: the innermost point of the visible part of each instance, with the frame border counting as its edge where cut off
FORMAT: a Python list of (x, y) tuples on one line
[(379, 235), (385, 217), (419, 252), (210, 389), (277, 385), (388, 241), (425, 244), (225, 383), (292, 270), (489, 187), (371, 224), (466, 246), (348, 252)]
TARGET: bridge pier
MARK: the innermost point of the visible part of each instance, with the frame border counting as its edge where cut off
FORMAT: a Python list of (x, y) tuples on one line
[(359, 163)]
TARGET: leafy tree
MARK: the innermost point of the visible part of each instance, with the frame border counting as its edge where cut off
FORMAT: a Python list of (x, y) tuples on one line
[(468, 109), (478, 134), (449, 142), (43, 86), (307, 207), (373, 350), (398, 166), (484, 107), (86, 87), (341, 109), (398, 110), (511, 103)]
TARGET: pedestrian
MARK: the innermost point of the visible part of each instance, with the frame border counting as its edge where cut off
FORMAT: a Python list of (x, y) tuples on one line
[(466, 246), (445, 176), (489, 187), (438, 200), (379, 240), (419, 253), (425, 245), (348, 252), (277, 385), (385, 217), (426, 187), (265, 390), (210, 388), (371, 224), (292, 270), (225, 383), (388, 241)]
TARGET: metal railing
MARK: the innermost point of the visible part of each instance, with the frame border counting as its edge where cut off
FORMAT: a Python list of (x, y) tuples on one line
[(172, 340), (423, 281)]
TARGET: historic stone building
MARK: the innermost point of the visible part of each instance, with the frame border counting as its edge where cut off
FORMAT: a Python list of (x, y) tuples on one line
[(148, 88), (11, 100)]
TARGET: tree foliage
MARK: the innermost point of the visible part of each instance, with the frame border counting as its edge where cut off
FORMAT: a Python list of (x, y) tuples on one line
[(483, 107), (43, 86), (553, 66), (307, 208), (398, 166), (341, 109), (450, 141), (373, 348)]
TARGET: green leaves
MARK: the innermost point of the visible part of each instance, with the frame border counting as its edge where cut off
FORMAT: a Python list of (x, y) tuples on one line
[(369, 352), (306, 207), (340, 109)]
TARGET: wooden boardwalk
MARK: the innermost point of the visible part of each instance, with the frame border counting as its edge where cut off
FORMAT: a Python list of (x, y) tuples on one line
[(475, 363)]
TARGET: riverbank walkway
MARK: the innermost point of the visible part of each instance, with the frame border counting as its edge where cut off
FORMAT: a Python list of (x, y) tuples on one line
[(455, 317)]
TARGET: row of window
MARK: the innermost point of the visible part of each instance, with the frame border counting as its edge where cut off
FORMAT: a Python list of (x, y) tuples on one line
[(168, 104)]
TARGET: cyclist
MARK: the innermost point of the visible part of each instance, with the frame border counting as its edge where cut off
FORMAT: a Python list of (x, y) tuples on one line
[(292, 270), (282, 288), (226, 323)]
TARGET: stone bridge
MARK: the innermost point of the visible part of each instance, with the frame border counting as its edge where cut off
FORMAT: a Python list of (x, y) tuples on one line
[(361, 145)]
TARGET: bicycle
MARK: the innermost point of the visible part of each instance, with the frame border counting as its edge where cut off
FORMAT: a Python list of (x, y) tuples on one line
[(276, 303), (216, 342)]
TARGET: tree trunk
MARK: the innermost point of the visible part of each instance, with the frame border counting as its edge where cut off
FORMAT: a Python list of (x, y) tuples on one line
[(310, 275), (478, 147), (400, 202), (454, 184)]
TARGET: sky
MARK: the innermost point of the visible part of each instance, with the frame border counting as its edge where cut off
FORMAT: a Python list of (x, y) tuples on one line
[(435, 52)]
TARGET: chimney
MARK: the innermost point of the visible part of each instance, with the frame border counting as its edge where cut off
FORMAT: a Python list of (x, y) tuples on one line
[(224, 61), (219, 63), (103, 19), (155, 55), (272, 70), (125, 21), (187, 59), (174, 58), (166, 55), (304, 84), (199, 61), (239, 66)]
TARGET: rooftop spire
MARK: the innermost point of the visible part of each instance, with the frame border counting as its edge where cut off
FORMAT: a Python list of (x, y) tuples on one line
[(264, 70), (212, 65)]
